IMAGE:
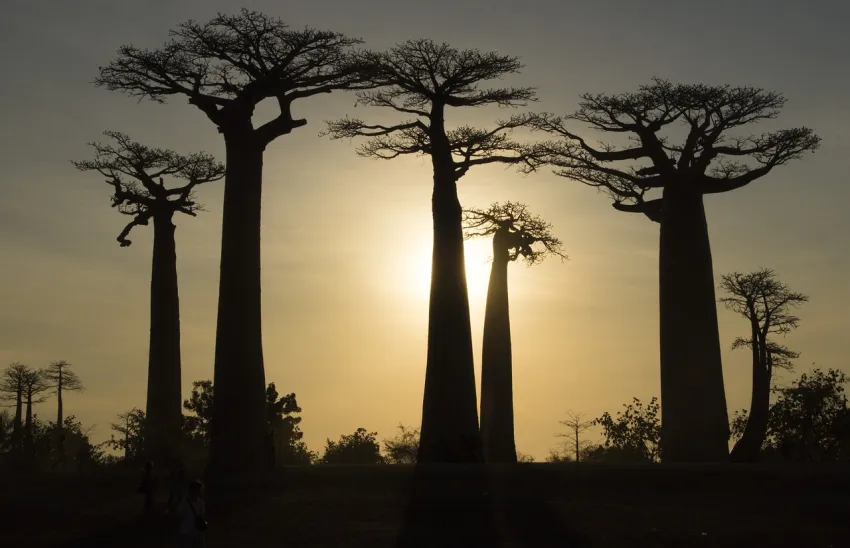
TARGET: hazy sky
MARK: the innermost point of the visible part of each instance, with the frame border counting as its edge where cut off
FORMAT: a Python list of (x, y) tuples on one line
[(346, 240)]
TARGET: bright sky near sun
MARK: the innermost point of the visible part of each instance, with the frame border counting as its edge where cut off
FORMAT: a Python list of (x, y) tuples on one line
[(346, 240)]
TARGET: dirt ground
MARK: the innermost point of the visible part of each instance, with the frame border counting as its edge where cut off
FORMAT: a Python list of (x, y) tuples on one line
[(529, 505)]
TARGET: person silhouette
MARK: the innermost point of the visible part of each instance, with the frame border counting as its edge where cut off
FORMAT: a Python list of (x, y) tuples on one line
[(191, 513), (146, 486)]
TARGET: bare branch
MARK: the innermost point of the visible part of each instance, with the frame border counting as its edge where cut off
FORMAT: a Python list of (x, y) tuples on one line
[(145, 194), (521, 233)]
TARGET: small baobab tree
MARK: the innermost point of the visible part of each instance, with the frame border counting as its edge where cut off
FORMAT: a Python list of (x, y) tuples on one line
[(35, 386), (136, 173), (576, 424), (61, 378), (766, 303), (712, 155), (12, 385), (421, 80), (226, 67), (517, 234)]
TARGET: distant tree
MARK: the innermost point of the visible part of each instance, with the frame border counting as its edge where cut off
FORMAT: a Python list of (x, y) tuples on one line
[(6, 428), (576, 424), (12, 386), (766, 303), (280, 415), (524, 458), (810, 419), (713, 157), (361, 447), (226, 67), (35, 386), (517, 234), (635, 432), (556, 457), (421, 79), (136, 173), (403, 448), (60, 378), (131, 435), (200, 404)]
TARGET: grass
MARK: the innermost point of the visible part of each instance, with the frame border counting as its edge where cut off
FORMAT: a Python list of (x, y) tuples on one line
[(532, 505)]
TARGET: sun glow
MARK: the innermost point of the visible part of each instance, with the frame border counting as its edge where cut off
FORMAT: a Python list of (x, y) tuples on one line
[(478, 257)]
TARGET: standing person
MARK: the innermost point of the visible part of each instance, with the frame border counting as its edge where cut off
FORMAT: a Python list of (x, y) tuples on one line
[(146, 486), (176, 484), (191, 511)]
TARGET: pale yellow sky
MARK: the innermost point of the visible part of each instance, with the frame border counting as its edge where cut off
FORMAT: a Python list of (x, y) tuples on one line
[(346, 241)]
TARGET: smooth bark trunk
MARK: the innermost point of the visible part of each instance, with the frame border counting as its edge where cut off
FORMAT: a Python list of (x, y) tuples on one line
[(497, 407), (238, 424), (17, 425), (163, 412), (449, 431), (695, 424), (748, 448), (28, 441)]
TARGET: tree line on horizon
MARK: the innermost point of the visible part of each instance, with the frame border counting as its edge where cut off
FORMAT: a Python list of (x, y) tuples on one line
[(232, 63)]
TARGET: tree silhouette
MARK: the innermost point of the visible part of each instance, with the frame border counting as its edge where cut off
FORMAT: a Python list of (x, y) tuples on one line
[(765, 302), (576, 424), (131, 428), (516, 234), (136, 173), (402, 449), (713, 157), (35, 385), (635, 433), (226, 67), (361, 447), (12, 386), (420, 79), (61, 378)]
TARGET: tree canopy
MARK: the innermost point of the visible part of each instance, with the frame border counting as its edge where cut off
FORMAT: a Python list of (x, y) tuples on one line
[(529, 236)]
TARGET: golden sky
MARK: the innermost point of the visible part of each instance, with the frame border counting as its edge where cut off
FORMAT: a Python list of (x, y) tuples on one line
[(346, 240)]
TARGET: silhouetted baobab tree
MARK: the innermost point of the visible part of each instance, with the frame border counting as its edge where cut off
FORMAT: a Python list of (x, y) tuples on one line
[(35, 385), (713, 156), (226, 67), (136, 173), (12, 390), (516, 234), (576, 424), (765, 302), (61, 379), (421, 79)]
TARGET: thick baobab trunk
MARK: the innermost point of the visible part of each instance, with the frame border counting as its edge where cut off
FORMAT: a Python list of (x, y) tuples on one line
[(17, 426), (163, 412), (449, 430), (239, 413), (748, 448), (694, 421), (497, 406), (28, 441)]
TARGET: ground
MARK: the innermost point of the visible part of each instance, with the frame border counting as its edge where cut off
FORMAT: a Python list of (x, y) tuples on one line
[(529, 505)]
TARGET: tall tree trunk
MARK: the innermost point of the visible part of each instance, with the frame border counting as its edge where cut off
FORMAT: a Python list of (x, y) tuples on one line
[(59, 417), (239, 414), (28, 441), (449, 431), (163, 411), (748, 448), (497, 406), (695, 425), (17, 427)]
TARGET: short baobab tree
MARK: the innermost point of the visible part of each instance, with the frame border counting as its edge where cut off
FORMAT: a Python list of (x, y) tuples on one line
[(13, 381), (136, 173), (766, 303), (421, 81), (62, 379), (713, 155), (226, 67), (517, 234)]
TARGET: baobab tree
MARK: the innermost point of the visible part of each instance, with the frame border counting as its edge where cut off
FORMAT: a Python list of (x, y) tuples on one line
[(421, 79), (12, 386), (35, 385), (714, 156), (226, 67), (136, 173), (517, 234), (576, 424), (766, 303), (61, 379)]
